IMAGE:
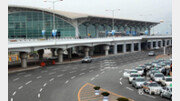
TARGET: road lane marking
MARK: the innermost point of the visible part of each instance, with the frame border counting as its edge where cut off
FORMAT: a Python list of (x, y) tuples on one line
[(92, 78), (14, 93), (102, 72), (120, 79), (60, 75), (72, 72), (39, 77), (81, 73), (91, 70), (51, 79), (73, 77), (27, 75), (15, 79), (20, 87), (129, 89), (66, 81), (120, 83), (39, 95), (11, 99), (40, 90), (45, 84), (97, 75), (28, 82), (83, 69), (52, 73)]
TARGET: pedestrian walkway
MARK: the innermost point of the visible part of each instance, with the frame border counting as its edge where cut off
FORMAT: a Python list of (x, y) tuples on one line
[(87, 93)]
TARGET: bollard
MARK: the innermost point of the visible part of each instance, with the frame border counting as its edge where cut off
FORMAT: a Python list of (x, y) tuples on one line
[(43, 64), (53, 62)]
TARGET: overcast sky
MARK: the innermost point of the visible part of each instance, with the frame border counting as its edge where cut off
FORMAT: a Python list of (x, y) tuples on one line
[(150, 10)]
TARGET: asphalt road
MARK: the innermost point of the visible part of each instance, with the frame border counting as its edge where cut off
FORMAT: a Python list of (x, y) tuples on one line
[(62, 82)]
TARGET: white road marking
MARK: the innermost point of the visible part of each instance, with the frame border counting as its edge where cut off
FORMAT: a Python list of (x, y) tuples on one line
[(102, 72), (67, 81), (83, 69), (14, 93), (20, 87), (97, 75), (120, 79), (39, 95), (40, 90), (130, 89), (15, 79), (28, 82), (56, 69), (60, 75), (120, 83), (27, 75), (11, 99), (63, 70), (45, 84), (81, 73), (72, 72), (91, 70), (39, 77), (75, 68), (51, 79), (52, 73), (92, 78), (150, 96), (73, 77)]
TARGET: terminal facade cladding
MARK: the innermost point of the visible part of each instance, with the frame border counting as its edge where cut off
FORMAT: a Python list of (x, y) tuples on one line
[(27, 22)]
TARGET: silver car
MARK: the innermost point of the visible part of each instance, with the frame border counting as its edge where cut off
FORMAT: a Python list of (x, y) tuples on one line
[(166, 92), (87, 59), (138, 81), (158, 77)]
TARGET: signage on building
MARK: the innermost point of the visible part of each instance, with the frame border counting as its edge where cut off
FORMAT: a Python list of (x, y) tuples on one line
[(54, 32), (43, 32)]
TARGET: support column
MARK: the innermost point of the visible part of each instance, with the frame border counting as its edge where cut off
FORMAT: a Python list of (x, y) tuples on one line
[(124, 48), (86, 51), (139, 46), (69, 53), (170, 43), (132, 47), (156, 43), (23, 56), (115, 48), (165, 44), (152, 45), (161, 43), (106, 48), (149, 30), (60, 55), (53, 52), (41, 52), (91, 53)]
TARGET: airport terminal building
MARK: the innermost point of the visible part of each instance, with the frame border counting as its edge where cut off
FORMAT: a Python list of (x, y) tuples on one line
[(32, 22)]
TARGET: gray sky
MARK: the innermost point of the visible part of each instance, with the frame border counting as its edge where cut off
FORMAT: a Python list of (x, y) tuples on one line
[(150, 10)]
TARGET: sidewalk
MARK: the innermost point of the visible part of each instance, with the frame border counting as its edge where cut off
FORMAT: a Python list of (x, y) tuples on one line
[(87, 93)]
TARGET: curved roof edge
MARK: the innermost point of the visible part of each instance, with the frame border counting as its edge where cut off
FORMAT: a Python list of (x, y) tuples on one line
[(73, 15)]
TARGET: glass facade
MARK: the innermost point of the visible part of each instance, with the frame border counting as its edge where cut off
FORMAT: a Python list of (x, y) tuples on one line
[(29, 24)]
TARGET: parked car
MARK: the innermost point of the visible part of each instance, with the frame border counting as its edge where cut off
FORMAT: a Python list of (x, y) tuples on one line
[(166, 81), (140, 70), (87, 59), (132, 76), (158, 77), (151, 53), (151, 87), (138, 81), (127, 72), (166, 92)]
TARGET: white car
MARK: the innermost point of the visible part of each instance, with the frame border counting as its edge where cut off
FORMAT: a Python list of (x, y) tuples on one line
[(132, 76), (140, 70), (166, 81), (127, 72), (158, 77), (138, 81), (151, 53), (152, 88)]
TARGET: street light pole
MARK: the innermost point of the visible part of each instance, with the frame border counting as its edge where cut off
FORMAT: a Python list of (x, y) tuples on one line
[(54, 25), (113, 11)]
